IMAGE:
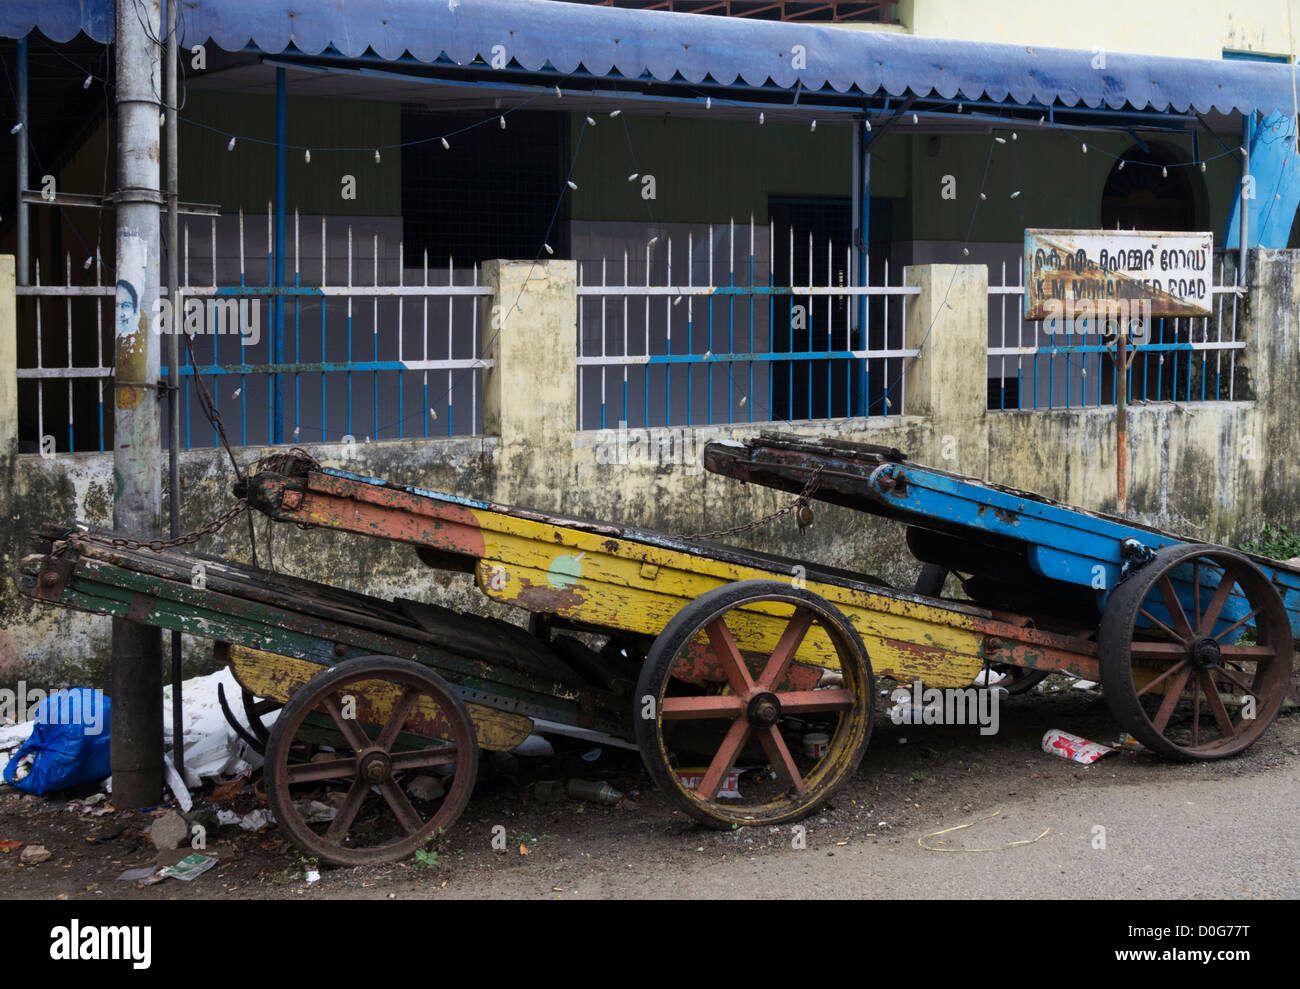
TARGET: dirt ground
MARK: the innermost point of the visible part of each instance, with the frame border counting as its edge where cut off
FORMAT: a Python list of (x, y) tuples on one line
[(914, 779)]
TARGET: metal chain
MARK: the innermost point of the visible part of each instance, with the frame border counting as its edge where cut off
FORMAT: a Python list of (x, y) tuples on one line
[(798, 503), (276, 462), (158, 545)]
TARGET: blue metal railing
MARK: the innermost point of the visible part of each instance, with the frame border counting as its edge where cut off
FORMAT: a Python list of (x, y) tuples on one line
[(423, 331), (1043, 365), (815, 358)]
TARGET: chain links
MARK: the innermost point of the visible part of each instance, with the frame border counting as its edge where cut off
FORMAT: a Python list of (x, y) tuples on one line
[(276, 462), (799, 502), (158, 545)]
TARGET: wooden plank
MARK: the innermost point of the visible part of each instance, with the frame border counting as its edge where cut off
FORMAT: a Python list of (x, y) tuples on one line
[(267, 674)]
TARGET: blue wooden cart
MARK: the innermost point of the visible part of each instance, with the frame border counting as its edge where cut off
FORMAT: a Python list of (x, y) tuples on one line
[(1195, 642)]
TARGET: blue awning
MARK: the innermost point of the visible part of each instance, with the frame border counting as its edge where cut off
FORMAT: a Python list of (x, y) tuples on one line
[(665, 46)]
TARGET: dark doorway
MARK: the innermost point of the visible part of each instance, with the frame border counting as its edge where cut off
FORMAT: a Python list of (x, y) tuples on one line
[(814, 387), (494, 198), (1150, 193)]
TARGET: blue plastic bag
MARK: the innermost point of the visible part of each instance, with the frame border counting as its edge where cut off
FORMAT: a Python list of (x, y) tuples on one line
[(70, 741)]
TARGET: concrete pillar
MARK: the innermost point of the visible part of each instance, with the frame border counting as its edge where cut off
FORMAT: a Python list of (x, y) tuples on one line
[(948, 381), (530, 394), (8, 359), (1267, 371)]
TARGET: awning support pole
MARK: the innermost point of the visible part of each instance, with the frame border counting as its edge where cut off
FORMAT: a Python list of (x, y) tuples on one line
[(281, 125)]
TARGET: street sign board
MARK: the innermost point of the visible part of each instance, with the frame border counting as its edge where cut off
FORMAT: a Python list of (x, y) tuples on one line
[(1131, 273)]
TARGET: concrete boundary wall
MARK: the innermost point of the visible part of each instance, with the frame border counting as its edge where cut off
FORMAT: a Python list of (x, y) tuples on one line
[(1215, 471)]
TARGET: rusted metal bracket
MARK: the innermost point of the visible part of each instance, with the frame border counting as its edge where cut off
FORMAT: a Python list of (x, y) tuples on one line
[(54, 577), (141, 605)]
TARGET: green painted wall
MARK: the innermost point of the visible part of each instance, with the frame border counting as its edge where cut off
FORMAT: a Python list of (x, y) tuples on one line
[(713, 171), (245, 177), (1060, 185), (706, 171)]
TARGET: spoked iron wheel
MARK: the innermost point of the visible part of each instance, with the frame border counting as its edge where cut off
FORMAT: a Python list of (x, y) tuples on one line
[(1196, 651), (351, 740), (701, 742)]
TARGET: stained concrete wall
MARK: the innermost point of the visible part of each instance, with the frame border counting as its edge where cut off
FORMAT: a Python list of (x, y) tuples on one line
[(1211, 471)]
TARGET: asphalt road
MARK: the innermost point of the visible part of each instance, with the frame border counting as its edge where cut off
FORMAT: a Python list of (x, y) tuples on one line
[(1191, 839)]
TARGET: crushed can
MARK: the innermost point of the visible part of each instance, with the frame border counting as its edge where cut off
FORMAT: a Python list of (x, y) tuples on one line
[(1067, 746)]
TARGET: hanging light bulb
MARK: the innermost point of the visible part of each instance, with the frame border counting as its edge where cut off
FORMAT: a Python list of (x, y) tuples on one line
[(446, 145), (591, 122), (1121, 164), (761, 117), (572, 185), (1014, 136), (634, 176), (983, 197), (16, 127), (959, 108), (1085, 149), (814, 126), (915, 119), (378, 159), (1164, 172), (86, 84), (615, 113), (1202, 166), (548, 248), (1000, 140), (1042, 120), (162, 119), (86, 264), (652, 241), (867, 121), (708, 102), (558, 93), (231, 145), (503, 122), (306, 156), (1015, 194), (965, 252)]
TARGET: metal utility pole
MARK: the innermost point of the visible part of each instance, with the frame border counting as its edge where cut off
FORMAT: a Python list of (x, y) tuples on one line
[(136, 670), (24, 240), (174, 363)]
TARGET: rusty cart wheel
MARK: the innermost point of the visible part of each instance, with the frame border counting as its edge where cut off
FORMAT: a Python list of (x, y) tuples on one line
[(1196, 651), (729, 751), (346, 748)]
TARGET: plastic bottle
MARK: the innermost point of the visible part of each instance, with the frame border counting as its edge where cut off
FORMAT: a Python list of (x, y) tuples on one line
[(593, 792)]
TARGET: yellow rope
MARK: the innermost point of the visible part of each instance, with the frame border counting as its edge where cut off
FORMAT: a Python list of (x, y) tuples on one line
[(1010, 844)]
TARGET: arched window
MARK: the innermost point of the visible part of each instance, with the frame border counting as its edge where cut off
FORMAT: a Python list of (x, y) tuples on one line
[(1139, 197)]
